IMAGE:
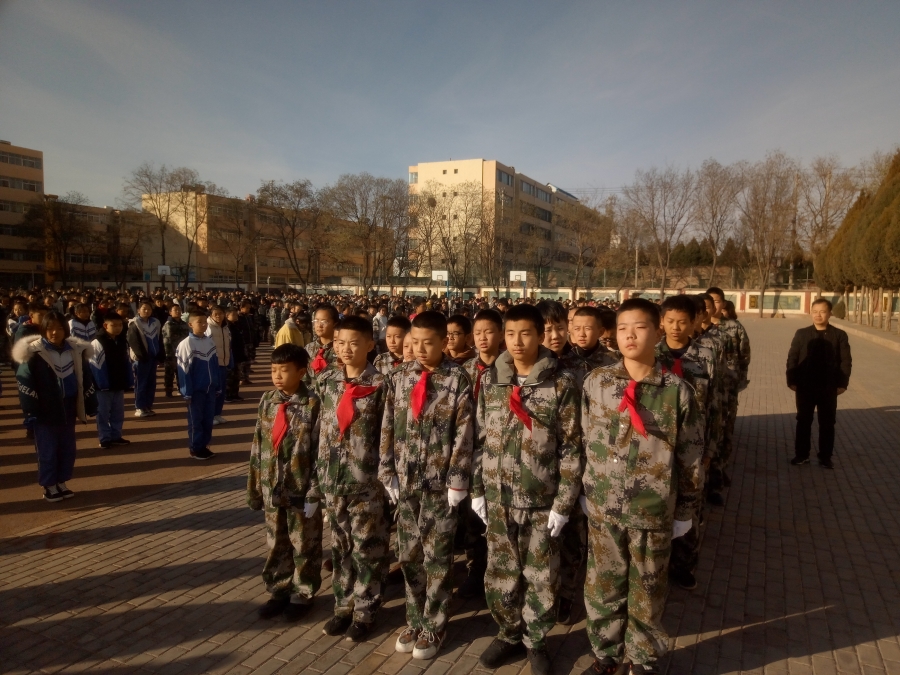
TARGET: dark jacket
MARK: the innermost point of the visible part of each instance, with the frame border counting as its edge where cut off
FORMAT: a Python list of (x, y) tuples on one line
[(239, 339), (110, 364), (819, 359)]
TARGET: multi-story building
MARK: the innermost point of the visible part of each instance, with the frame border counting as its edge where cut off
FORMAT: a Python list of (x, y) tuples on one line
[(520, 209), (21, 184)]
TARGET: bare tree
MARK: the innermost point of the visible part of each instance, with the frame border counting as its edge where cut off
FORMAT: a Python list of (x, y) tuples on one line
[(127, 232), (826, 193), (767, 208), (662, 201), (715, 204), (193, 209), (235, 232), (494, 238), (55, 228), (587, 237), (460, 207), (871, 171)]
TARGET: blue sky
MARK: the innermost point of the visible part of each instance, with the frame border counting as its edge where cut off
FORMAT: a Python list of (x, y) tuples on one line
[(577, 94)]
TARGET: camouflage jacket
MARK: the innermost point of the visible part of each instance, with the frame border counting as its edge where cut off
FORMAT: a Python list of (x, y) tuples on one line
[(435, 451), (384, 363), (173, 332), (475, 376), (580, 362), (525, 469), (348, 466), (330, 358), (737, 349), (642, 483), (698, 367), (280, 477), (276, 317)]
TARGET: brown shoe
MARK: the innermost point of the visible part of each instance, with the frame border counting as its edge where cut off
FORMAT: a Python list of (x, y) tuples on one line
[(407, 640)]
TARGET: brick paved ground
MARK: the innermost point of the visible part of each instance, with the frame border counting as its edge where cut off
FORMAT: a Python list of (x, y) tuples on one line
[(797, 574)]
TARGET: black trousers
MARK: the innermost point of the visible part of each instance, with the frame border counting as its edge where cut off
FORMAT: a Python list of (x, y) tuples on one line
[(808, 401)]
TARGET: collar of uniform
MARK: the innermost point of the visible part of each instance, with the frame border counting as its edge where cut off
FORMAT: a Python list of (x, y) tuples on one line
[(364, 377), (301, 396), (599, 348), (655, 378), (543, 368), (442, 368), (663, 347)]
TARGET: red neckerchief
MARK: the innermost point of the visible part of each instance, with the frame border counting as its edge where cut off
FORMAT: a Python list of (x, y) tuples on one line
[(419, 394), (280, 426), (515, 404), (319, 362), (346, 410), (481, 368), (629, 401)]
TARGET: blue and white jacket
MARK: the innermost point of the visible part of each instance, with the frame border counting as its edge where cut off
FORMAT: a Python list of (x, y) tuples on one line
[(144, 339), (110, 364), (198, 366), (86, 331)]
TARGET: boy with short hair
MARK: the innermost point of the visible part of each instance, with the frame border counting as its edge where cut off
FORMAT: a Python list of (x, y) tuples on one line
[(643, 440), (217, 329), (587, 352), (282, 462), (32, 326), (144, 341), (321, 350), (426, 457), (173, 332), (556, 327), (346, 477), (81, 325), (397, 328), (113, 374), (527, 477), (240, 352), (459, 334), (199, 383)]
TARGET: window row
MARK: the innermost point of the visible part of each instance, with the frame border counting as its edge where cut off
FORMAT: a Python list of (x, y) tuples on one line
[(90, 258), (20, 160), (12, 207), (505, 178), (19, 184), (20, 255)]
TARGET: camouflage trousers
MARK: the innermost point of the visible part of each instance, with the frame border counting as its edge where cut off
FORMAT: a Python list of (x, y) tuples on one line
[(726, 442), (170, 378), (522, 574), (573, 554), (625, 591), (360, 540), (425, 528), (294, 564)]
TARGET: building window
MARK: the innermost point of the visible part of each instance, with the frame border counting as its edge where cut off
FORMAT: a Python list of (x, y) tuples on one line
[(20, 160), (527, 188), (505, 178), (19, 184), (445, 170), (413, 177), (543, 196), (455, 170), (12, 207)]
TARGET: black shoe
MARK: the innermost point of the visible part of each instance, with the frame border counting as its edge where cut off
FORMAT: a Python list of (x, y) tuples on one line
[(606, 667), (638, 669), (338, 625), (826, 464), (169, 394), (684, 579), (64, 491), (715, 499), (106, 445), (726, 479), (472, 587), (273, 607), (295, 611), (798, 461), (120, 441), (498, 652), (52, 496), (540, 661), (564, 612), (203, 454), (358, 631)]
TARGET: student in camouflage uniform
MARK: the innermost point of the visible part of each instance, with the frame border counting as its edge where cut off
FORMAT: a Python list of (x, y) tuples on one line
[(677, 353), (426, 461), (276, 320), (395, 333), (527, 477), (346, 478), (282, 462), (643, 439), (321, 350), (174, 330)]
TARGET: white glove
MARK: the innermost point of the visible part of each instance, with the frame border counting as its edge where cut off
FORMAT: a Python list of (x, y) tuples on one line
[(455, 497), (555, 523), (582, 502), (680, 528), (480, 508), (394, 490), (309, 508)]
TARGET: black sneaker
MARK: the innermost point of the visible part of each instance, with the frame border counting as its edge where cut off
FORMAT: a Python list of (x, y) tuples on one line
[(540, 661), (273, 607), (564, 612), (120, 441), (358, 631), (203, 454), (715, 499), (295, 611), (498, 652), (826, 464), (799, 461), (472, 587), (338, 625), (64, 491), (54, 496), (106, 445), (683, 578)]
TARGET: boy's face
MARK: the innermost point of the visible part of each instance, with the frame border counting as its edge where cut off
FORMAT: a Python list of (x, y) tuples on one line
[(352, 347), (718, 305), (19, 310), (710, 309), (37, 316), (608, 338), (487, 337), (145, 311), (636, 335), (678, 327), (175, 312), (556, 335), (232, 316), (407, 349), (428, 346), (198, 325), (457, 338), (112, 328), (323, 325), (394, 338), (522, 340), (287, 377), (217, 316), (83, 313), (585, 331)]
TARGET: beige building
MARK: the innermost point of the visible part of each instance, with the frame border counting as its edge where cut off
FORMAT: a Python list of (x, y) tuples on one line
[(21, 184), (522, 207)]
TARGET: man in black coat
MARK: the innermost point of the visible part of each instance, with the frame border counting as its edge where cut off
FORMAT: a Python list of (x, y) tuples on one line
[(818, 370)]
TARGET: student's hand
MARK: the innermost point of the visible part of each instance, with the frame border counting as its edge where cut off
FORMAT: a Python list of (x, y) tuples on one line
[(555, 523), (841, 390), (792, 387), (394, 490), (480, 508), (681, 528), (582, 502), (310, 508), (454, 497)]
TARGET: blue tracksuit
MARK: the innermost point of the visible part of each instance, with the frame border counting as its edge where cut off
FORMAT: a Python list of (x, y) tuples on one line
[(87, 331), (199, 382), (144, 340)]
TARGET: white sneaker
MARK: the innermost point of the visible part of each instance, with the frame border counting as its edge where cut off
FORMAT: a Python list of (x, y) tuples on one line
[(407, 640), (218, 419), (428, 644), (143, 413)]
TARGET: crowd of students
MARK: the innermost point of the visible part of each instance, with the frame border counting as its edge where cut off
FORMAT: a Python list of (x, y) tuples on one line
[(570, 449)]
